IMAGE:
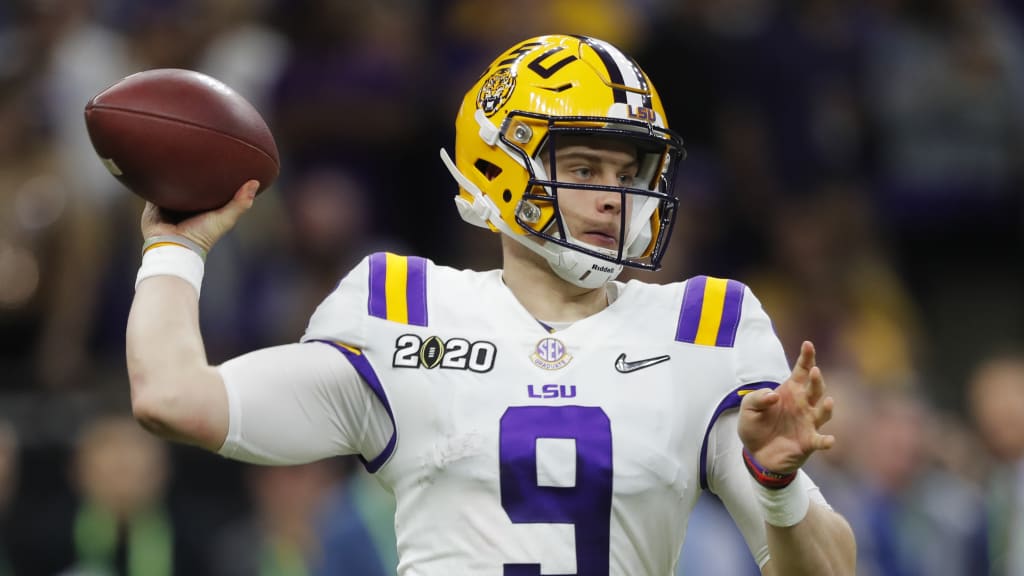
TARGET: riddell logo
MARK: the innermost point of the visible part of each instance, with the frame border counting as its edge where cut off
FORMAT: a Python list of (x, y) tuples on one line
[(600, 268)]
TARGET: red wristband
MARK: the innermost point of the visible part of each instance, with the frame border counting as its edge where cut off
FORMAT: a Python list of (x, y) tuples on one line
[(765, 477)]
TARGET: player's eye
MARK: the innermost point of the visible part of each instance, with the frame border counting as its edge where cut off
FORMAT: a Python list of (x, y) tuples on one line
[(582, 172)]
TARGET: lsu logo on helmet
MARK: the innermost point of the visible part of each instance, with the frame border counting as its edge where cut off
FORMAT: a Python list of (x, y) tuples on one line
[(496, 91)]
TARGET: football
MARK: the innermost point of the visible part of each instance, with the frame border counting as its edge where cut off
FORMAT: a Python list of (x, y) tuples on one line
[(181, 139)]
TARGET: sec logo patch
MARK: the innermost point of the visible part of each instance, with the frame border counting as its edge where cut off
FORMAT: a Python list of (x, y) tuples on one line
[(550, 354)]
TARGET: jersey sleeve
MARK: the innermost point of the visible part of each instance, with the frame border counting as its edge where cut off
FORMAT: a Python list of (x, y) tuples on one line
[(721, 313), (384, 286), (730, 481), (760, 362), (740, 323), (322, 397), (759, 356), (342, 315), (299, 403)]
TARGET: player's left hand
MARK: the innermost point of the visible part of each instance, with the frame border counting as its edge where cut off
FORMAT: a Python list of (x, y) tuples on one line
[(780, 427)]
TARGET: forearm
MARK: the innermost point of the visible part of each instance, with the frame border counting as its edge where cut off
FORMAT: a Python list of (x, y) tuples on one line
[(175, 393), (821, 544)]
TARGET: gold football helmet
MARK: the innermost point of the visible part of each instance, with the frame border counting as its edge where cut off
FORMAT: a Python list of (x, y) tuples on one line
[(535, 92)]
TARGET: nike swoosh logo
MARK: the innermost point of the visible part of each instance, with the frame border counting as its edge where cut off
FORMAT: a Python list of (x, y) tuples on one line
[(624, 366)]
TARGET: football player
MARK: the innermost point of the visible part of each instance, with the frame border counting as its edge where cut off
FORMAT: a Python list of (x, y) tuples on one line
[(538, 419)]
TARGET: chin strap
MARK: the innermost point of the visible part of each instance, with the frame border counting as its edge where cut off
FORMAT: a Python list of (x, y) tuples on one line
[(583, 270)]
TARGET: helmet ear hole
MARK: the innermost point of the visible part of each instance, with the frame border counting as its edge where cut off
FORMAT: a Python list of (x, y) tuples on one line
[(488, 169), (506, 196)]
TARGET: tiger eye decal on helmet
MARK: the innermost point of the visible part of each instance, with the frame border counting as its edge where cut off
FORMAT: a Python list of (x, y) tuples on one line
[(496, 90)]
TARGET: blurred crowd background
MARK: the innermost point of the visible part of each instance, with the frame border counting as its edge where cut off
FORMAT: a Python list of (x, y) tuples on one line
[(858, 163)]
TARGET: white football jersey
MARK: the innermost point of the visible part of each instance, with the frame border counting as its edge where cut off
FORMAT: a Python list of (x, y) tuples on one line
[(521, 451)]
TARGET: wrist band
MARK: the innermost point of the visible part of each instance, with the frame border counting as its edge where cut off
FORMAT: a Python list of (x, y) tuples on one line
[(172, 239), (171, 259), (763, 476), (784, 507)]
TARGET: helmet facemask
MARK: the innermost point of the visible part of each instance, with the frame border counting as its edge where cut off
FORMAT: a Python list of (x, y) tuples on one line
[(647, 210)]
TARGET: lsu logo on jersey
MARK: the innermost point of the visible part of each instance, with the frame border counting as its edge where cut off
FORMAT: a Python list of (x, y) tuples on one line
[(411, 351), (548, 391)]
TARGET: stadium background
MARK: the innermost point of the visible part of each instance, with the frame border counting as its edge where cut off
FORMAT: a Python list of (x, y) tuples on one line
[(856, 162)]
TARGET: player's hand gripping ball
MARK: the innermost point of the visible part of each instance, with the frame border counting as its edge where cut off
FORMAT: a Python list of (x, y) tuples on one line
[(181, 139)]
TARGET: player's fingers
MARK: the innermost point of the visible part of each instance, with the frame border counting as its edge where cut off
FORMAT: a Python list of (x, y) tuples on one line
[(804, 363), (759, 400), (817, 386), (823, 441), (246, 193), (150, 216), (152, 223), (823, 412), (207, 228), (241, 202)]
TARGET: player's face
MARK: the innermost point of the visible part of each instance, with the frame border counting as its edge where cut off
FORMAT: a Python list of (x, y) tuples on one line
[(593, 216)]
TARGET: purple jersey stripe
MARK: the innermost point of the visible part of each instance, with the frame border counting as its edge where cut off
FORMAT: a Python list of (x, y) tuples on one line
[(730, 314), (416, 291), (689, 313), (378, 303), (362, 366), (731, 401)]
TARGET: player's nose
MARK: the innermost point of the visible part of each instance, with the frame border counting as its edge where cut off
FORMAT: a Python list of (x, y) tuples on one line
[(608, 201)]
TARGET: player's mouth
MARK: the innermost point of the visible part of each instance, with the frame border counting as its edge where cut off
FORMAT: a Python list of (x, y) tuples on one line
[(601, 239)]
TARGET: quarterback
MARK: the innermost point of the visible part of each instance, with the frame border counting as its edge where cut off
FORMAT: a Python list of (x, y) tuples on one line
[(540, 419)]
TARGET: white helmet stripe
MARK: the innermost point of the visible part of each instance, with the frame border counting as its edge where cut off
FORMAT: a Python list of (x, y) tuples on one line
[(623, 70)]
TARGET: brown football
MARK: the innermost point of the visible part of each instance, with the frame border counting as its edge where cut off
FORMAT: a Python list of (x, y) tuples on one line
[(181, 139)]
